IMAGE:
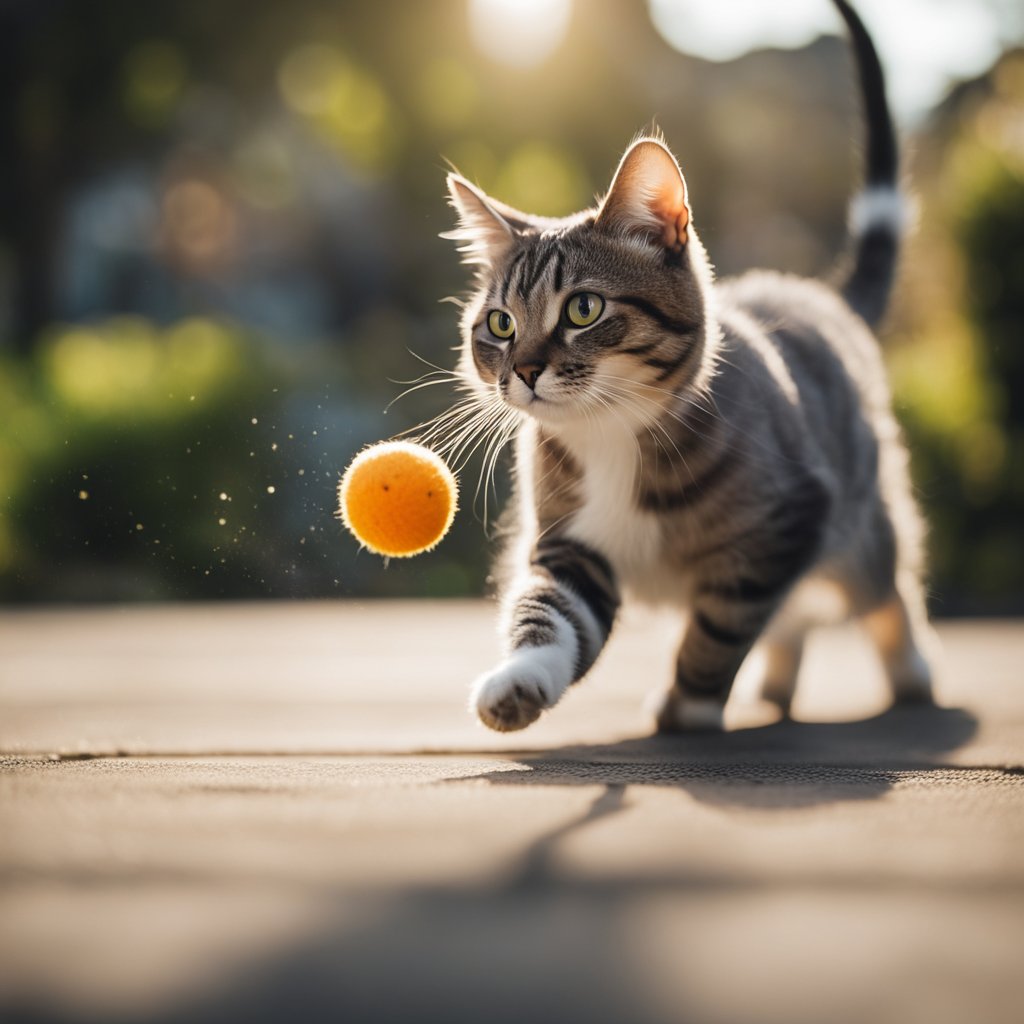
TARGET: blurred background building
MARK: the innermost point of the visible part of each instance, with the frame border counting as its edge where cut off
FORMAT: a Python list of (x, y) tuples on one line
[(219, 255)]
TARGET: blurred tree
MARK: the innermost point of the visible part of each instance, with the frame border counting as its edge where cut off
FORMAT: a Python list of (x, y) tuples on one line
[(959, 359), (84, 86)]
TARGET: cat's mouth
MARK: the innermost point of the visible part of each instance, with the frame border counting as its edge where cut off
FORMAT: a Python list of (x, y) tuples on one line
[(544, 409), (534, 399), (524, 402), (557, 407)]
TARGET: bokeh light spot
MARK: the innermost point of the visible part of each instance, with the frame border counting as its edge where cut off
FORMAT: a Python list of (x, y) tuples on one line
[(344, 104), (154, 77), (198, 224), (543, 179), (519, 33)]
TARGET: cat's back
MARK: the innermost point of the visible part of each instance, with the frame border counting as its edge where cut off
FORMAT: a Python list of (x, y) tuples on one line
[(825, 345), (826, 397)]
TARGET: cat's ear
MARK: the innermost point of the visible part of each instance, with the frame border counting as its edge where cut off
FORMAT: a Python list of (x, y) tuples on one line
[(486, 228), (648, 196)]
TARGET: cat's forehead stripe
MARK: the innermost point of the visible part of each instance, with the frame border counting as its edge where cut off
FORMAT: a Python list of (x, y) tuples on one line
[(535, 265), (559, 261), (509, 275)]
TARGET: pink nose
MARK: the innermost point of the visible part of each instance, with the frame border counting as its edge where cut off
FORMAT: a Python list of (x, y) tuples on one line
[(528, 373)]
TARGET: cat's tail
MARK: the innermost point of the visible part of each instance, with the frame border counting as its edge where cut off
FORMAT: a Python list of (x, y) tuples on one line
[(880, 212)]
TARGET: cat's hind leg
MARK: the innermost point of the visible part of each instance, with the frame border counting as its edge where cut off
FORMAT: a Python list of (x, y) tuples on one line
[(904, 640), (885, 592), (558, 617), (781, 650), (816, 601)]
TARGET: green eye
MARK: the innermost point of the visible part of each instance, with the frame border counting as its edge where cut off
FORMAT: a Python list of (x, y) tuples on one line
[(501, 324), (583, 308)]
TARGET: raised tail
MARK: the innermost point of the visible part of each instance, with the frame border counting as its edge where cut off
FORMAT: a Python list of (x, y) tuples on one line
[(878, 214)]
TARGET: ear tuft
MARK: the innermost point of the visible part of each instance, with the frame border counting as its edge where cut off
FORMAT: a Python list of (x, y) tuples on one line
[(648, 196), (483, 233)]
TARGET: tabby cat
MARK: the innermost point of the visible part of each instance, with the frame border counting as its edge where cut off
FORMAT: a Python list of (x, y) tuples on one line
[(722, 448)]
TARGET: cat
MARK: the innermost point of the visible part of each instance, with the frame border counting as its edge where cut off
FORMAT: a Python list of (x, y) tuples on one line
[(720, 448)]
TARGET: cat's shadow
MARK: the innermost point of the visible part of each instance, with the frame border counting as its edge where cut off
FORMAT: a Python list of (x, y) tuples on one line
[(787, 764)]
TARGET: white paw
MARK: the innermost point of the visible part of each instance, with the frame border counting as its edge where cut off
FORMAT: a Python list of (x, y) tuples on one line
[(514, 694), (675, 712), (911, 679)]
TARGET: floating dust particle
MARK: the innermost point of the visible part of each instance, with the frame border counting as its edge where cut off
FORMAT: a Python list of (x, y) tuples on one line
[(271, 489), (223, 496), (302, 472), (83, 495), (273, 447), (222, 521), (139, 526), (254, 421), (191, 398)]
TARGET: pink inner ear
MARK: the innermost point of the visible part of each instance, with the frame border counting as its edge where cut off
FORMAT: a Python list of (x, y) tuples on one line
[(648, 196), (672, 212)]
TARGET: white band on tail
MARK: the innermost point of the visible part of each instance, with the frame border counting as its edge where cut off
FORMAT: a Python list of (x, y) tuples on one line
[(881, 206)]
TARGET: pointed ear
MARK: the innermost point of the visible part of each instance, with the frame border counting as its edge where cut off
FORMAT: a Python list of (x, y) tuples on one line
[(486, 228), (648, 197)]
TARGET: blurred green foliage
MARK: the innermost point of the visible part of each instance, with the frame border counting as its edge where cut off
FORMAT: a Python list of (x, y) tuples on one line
[(197, 461), (116, 444), (958, 353)]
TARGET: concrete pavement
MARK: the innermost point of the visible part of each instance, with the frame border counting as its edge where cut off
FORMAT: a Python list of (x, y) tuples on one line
[(284, 812)]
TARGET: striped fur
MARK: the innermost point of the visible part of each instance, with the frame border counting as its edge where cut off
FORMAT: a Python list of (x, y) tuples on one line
[(713, 447)]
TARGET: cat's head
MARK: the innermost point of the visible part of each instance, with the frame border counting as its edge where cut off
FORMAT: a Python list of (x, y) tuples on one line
[(604, 313)]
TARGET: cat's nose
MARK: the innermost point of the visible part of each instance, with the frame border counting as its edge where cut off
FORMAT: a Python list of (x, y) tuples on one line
[(528, 373)]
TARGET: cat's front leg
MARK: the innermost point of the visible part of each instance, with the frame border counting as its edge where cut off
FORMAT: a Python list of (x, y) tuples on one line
[(558, 615)]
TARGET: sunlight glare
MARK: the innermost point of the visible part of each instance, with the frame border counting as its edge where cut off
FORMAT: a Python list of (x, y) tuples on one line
[(519, 33), (923, 52)]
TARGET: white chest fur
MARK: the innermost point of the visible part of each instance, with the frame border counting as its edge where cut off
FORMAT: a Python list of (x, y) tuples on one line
[(609, 519)]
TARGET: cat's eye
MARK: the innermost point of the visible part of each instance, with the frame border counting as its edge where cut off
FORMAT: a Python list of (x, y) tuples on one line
[(583, 308), (501, 324)]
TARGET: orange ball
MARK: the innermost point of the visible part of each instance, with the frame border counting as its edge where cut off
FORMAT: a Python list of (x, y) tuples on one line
[(398, 498)]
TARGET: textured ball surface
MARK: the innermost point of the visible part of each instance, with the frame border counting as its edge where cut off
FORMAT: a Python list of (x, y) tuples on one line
[(398, 498)]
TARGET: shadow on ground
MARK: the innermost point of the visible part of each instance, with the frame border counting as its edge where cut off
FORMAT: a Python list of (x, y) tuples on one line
[(784, 765), (543, 942)]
